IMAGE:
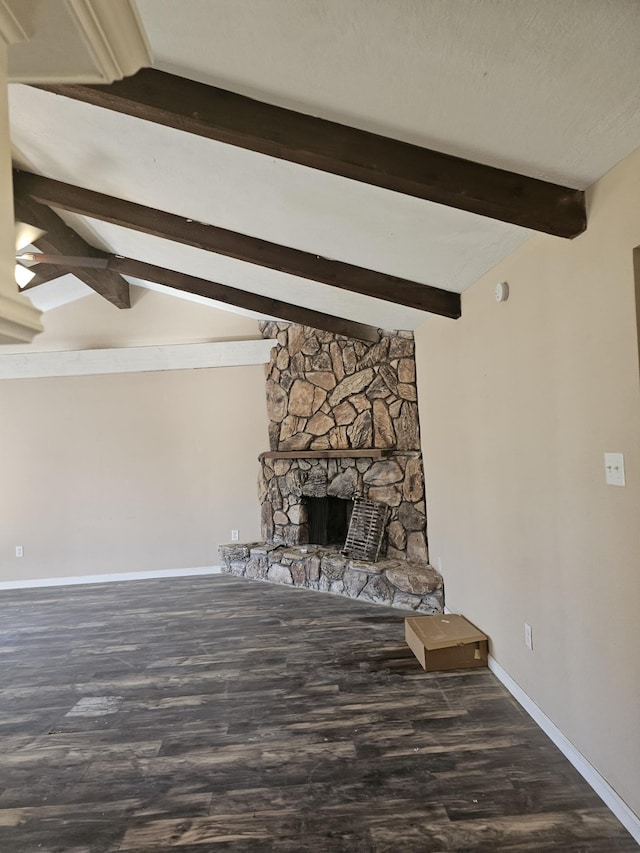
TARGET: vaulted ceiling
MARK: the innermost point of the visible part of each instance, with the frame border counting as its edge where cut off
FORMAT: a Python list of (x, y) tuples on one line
[(309, 215)]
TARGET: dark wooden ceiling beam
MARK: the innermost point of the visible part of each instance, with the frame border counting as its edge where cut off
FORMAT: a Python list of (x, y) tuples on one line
[(212, 290), (44, 273), (341, 150), (238, 298), (223, 242), (220, 292), (59, 239)]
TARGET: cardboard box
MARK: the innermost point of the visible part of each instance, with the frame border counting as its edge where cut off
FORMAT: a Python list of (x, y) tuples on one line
[(445, 642)]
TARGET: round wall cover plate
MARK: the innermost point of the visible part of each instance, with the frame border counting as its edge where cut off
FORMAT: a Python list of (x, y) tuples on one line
[(502, 291)]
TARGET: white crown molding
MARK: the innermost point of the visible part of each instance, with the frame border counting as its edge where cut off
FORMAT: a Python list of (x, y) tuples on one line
[(12, 29), (113, 33), (40, 365), (104, 41), (19, 320)]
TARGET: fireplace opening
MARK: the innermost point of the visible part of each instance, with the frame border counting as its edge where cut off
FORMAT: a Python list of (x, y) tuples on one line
[(329, 519)]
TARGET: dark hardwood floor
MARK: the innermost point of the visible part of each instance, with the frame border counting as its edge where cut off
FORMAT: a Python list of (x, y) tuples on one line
[(223, 714)]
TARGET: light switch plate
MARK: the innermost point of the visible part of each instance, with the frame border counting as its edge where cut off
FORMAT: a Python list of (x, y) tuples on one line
[(528, 636), (614, 469)]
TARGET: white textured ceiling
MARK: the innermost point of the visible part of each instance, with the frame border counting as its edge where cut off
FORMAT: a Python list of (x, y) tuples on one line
[(547, 88)]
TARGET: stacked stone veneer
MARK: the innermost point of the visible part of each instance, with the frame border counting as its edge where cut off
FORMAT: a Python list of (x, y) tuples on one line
[(326, 392), (399, 583)]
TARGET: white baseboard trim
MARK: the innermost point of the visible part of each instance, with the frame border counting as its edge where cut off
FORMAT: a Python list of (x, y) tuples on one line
[(628, 818), (109, 578)]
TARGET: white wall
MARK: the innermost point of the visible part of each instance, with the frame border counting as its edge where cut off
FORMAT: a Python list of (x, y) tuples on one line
[(19, 320), (519, 401)]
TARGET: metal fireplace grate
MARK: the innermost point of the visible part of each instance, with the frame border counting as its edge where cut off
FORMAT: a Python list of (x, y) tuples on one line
[(366, 529)]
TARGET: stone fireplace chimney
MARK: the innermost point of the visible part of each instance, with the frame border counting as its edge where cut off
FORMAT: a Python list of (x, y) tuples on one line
[(343, 423)]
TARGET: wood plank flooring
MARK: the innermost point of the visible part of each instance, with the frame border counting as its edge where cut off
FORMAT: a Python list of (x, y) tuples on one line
[(226, 714)]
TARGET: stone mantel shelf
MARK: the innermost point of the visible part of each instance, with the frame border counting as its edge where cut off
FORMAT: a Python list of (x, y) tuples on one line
[(369, 452)]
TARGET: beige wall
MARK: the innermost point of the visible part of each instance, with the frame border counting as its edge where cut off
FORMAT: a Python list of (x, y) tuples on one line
[(130, 472), (519, 401), (154, 318)]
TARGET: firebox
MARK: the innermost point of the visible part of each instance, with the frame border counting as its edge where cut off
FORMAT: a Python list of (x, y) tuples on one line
[(328, 520)]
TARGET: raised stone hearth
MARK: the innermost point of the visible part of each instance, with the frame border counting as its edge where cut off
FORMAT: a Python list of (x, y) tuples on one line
[(398, 583)]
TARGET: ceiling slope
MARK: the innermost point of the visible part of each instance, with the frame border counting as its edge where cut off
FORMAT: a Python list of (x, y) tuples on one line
[(182, 282), (224, 242), (546, 90), (264, 305), (392, 164)]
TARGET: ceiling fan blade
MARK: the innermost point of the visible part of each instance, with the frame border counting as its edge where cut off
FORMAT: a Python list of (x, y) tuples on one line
[(26, 235), (64, 260)]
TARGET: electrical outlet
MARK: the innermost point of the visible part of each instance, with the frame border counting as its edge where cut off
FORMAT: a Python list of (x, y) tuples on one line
[(19, 551), (614, 469), (234, 535), (528, 636)]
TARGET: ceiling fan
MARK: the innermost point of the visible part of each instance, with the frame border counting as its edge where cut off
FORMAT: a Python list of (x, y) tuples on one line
[(25, 236), (65, 260), (24, 274)]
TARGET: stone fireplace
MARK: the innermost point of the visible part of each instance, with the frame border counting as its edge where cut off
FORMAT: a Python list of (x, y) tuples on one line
[(343, 423), (288, 484)]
